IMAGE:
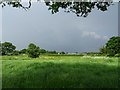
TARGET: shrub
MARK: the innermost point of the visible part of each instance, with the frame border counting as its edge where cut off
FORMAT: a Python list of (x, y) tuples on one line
[(103, 50), (42, 51), (62, 52), (117, 55), (23, 51), (15, 52), (110, 54)]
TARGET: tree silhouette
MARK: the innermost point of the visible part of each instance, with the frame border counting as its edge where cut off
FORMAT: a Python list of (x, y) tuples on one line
[(15, 3), (79, 8)]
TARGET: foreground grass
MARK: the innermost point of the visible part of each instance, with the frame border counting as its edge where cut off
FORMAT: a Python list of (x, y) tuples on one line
[(60, 72)]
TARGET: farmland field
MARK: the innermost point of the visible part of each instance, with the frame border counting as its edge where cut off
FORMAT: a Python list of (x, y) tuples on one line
[(59, 72)]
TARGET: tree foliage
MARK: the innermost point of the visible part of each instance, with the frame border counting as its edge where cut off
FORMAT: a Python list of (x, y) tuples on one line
[(7, 48), (51, 52), (16, 52), (103, 50), (62, 52), (23, 51), (33, 51), (113, 46), (0, 48), (42, 51), (15, 3), (79, 8)]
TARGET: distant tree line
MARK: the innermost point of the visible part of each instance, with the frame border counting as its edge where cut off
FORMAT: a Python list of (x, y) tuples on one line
[(112, 48), (33, 51)]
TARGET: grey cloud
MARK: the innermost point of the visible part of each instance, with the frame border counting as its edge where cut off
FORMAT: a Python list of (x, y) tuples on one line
[(61, 31)]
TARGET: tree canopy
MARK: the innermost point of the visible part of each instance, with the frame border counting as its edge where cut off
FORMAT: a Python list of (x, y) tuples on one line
[(113, 45), (7, 48), (79, 8), (33, 51)]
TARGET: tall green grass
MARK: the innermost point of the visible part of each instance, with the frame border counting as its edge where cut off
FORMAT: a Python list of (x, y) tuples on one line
[(0, 74), (60, 72)]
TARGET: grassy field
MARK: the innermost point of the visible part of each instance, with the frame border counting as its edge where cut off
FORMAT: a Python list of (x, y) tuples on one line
[(59, 72)]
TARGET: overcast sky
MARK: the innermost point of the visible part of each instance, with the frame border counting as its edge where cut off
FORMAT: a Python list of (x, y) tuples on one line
[(61, 31)]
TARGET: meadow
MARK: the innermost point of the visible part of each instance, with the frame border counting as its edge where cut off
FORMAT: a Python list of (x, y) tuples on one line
[(59, 71)]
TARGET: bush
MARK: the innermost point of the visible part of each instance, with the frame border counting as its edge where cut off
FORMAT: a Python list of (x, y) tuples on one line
[(23, 51), (33, 51), (42, 51), (15, 52), (62, 52), (110, 54), (52, 52), (103, 50), (117, 55)]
